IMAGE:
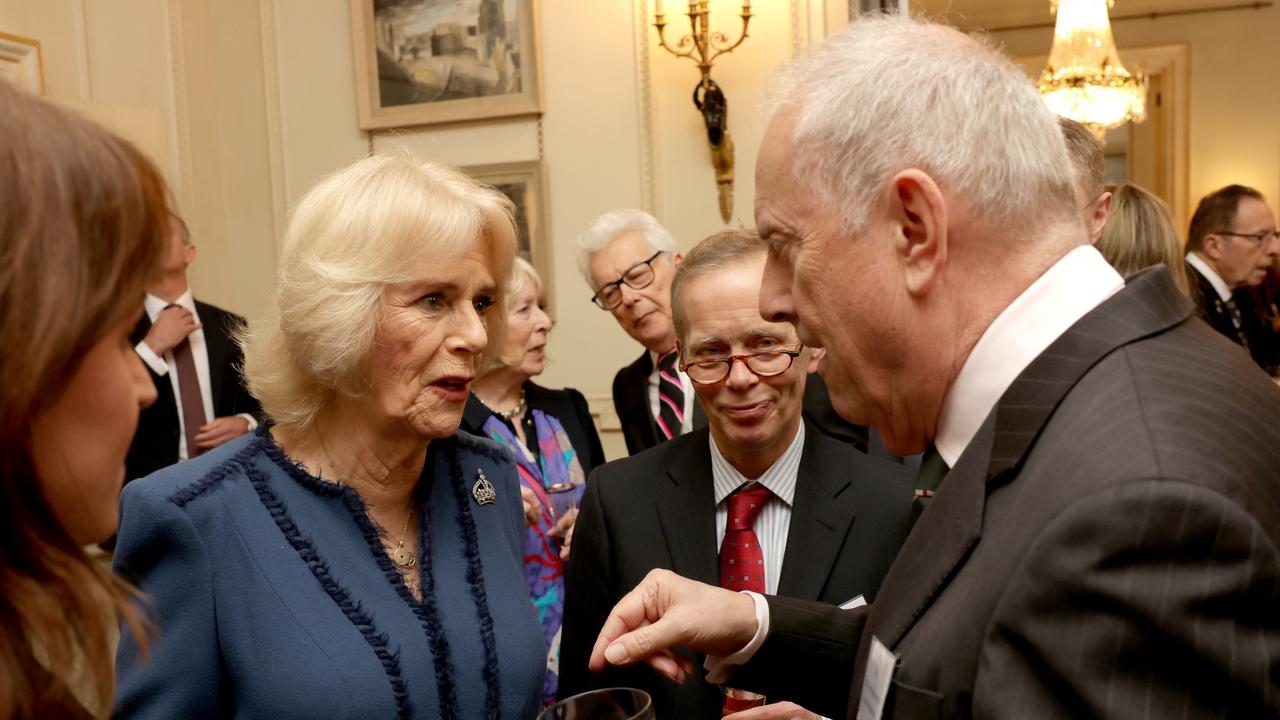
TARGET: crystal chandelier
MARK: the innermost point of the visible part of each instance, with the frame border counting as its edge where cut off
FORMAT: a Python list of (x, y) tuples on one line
[(1084, 79)]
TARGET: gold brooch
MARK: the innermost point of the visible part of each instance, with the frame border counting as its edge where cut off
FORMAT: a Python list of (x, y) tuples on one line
[(483, 490)]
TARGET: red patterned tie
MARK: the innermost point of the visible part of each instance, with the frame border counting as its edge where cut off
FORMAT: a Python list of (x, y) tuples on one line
[(741, 559), (670, 397)]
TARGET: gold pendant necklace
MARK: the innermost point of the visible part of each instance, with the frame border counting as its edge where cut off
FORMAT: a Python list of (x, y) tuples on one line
[(400, 556)]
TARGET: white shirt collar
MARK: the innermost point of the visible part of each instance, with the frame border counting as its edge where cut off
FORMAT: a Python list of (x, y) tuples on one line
[(780, 478), (1079, 282), (1220, 285), (154, 305)]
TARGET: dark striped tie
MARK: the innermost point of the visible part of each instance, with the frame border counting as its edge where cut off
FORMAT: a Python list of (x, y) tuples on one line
[(670, 397)]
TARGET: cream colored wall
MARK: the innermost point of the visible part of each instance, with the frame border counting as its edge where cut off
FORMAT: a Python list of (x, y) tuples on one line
[(1234, 106), (182, 79), (599, 149)]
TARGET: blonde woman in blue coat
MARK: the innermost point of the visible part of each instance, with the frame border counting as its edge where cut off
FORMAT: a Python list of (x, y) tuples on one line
[(356, 557)]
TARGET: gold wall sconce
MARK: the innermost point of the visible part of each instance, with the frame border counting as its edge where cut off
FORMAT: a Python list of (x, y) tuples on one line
[(703, 47)]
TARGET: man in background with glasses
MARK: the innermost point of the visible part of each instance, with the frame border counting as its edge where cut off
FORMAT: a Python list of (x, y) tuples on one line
[(1231, 243), (628, 259), (759, 500)]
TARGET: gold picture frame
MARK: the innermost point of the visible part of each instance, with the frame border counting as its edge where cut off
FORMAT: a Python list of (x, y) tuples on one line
[(525, 184), (422, 62), (22, 62)]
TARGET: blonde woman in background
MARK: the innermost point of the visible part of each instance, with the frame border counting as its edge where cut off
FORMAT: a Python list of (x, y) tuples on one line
[(1139, 233), (83, 223), (553, 439)]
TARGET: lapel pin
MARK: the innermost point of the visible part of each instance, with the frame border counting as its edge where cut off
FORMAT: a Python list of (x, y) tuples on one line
[(483, 490)]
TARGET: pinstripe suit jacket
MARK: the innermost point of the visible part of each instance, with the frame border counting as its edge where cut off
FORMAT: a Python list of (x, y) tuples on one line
[(1107, 546)]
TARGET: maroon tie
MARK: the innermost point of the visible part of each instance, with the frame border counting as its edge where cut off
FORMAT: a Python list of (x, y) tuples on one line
[(670, 397), (193, 417), (741, 559)]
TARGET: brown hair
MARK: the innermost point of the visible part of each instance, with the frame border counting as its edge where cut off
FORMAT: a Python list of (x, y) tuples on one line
[(1217, 213), (715, 253), (1139, 233), (83, 221), (1087, 161)]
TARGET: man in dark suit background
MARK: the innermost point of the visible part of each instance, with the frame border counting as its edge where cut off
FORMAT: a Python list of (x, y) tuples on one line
[(628, 259), (830, 518), (1104, 540), (1231, 244), (194, 360)]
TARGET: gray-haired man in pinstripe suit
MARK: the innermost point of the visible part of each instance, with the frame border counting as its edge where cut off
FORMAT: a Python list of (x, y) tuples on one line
[(1105, 536)]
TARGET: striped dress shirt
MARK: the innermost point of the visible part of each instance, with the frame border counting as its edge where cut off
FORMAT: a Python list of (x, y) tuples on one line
[(774, 521)]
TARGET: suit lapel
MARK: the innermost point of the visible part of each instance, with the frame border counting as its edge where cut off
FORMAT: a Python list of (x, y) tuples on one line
[(685, 501), (819, 524), (952, 524)]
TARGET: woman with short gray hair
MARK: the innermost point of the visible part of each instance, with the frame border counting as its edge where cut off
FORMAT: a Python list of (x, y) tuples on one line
[(356, 557)]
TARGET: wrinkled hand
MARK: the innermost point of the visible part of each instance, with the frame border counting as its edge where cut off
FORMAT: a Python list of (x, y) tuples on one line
[(213, 434), (666, 611), (776, 711), (532, 508), (564, 531), (171, 327)]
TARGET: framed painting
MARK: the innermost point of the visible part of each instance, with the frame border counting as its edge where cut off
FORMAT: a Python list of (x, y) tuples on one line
[(421, 62), (525, 184), (21, 62)]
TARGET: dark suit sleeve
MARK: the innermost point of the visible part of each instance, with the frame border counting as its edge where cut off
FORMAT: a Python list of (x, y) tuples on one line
[(634, 443), (1156, 599), (807, 657), (591, 456), (588, 592), (160, 551)]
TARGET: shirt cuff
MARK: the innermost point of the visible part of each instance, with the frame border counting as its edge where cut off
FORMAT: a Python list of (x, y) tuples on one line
[(253, 421), (153, 361), (718, 667)]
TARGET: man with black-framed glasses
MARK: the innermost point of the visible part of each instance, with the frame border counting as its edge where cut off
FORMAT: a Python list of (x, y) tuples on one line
[(628, 260), (760, 499), (1230, 244)]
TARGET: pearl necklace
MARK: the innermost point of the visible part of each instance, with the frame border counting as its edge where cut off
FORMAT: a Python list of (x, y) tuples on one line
[(507, 415)]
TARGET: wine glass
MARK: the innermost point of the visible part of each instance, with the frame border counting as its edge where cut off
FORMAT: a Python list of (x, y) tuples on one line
[(605, 704), (563, 498)]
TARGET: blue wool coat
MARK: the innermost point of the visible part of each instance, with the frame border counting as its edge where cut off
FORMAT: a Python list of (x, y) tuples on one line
[(273, 598)]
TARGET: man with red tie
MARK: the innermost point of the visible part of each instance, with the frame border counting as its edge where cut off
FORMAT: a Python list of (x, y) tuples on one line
[(190, 350), (759, 500), (628, 258)]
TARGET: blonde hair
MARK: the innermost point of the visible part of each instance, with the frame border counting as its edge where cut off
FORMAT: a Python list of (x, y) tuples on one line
[(84, 222), (1139, 233), (523, 274), (351, 237)]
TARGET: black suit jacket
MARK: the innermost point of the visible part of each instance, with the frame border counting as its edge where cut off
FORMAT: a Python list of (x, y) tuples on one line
[(1099, 550), (1259, 338), (631, 403), (568, 406), (657, 510), (155, 445)]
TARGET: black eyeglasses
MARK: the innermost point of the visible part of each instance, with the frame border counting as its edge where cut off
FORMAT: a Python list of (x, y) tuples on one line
[(637, 277), (763, 364), (1258, 237)]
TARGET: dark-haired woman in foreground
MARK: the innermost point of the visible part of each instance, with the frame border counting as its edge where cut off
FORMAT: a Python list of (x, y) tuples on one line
[(83, 217)]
